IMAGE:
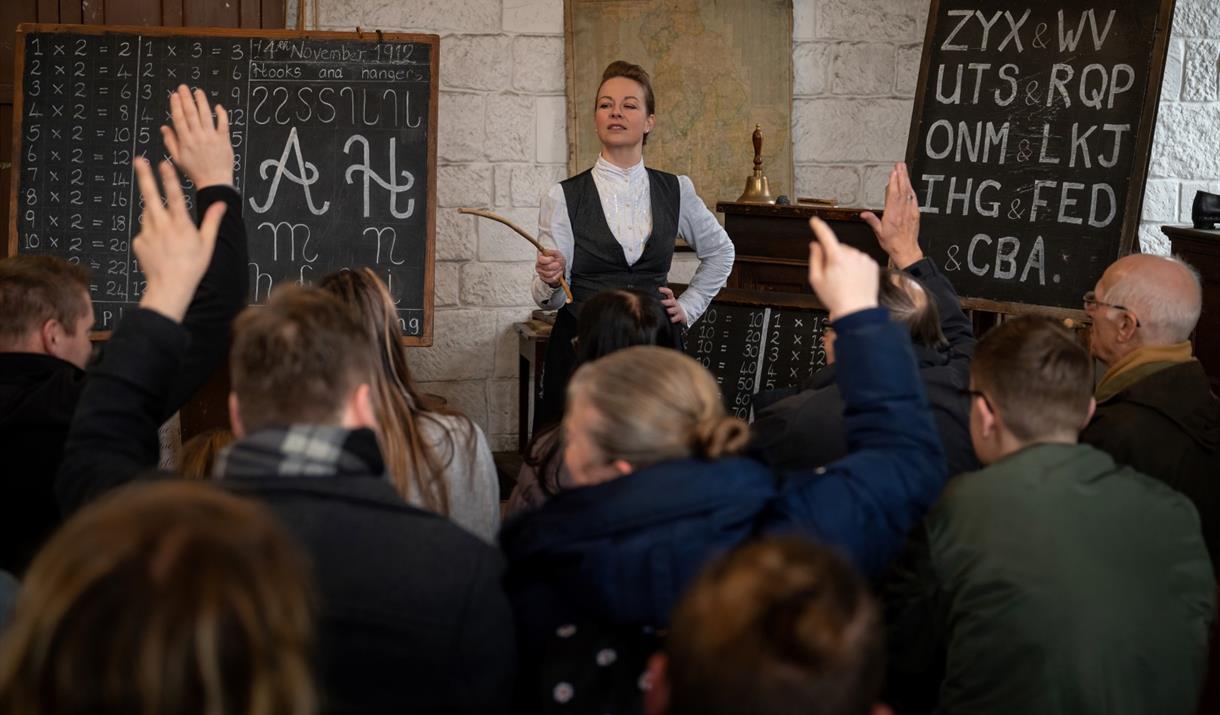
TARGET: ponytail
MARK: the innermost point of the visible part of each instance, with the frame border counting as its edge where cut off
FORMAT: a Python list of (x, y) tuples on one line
[(719, 436)]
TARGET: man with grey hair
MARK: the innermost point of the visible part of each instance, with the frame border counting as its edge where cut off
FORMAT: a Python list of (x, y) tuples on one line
[(1155, 410)]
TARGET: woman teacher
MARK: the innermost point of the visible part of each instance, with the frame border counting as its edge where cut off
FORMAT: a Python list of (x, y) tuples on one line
[(614, 226)]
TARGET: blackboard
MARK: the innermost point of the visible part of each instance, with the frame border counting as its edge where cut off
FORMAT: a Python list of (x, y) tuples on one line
[(335, 142), (750, 348), (1030, 139)]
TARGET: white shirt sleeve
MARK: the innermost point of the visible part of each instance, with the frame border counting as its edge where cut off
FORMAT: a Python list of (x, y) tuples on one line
[(712, 246), (554, 231)]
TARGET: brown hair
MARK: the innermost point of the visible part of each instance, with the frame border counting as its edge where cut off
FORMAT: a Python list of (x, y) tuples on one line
[(169, 598), (199, 453), (1035, 373), (416, 468), (655, 404), (776, 627), (297, 358), (896, 292), (35, 289), (635, 73)]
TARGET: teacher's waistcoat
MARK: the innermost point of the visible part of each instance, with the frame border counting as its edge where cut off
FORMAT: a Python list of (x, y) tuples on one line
[(598, 262)]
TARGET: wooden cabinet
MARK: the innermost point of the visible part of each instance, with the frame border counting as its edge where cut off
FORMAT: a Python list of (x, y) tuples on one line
[(1201, 249)]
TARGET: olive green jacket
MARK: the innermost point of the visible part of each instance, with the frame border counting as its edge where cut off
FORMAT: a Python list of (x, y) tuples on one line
[(1053, 581)]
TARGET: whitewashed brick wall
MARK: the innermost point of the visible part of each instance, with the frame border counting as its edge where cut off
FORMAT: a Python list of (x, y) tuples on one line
[(502, 140)]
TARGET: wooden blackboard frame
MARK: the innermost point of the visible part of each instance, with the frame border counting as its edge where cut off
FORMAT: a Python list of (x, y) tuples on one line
[(1128, 241), (425, 338)]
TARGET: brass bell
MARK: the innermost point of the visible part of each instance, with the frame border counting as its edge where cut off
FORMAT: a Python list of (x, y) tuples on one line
[(758, 190)]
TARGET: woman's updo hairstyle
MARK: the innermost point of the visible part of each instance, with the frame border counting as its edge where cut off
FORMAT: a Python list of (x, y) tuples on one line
[(635, 73), (654, 404)]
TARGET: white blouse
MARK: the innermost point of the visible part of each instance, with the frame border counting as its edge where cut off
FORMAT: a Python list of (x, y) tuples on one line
[(627, 204)]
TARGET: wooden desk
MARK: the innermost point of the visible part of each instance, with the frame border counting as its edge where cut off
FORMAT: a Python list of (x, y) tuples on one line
[(1201, 249), (772, 244), (532, 337)]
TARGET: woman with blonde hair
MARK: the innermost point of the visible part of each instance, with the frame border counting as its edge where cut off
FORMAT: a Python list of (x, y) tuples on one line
[(169, 598), (659, 488), (437, 458)]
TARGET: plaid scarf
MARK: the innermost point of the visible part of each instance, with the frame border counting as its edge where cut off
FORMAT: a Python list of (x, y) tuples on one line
[(301, 451)]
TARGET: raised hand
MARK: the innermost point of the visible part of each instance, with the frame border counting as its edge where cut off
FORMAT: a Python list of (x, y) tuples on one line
[(898, 229), (172, 252), (672, 306), (550, 266), (845, 279), (200, 148)]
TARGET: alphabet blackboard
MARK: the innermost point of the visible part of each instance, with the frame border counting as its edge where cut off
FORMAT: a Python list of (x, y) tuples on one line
[(334, 135), (1030, 139), (751, 348)]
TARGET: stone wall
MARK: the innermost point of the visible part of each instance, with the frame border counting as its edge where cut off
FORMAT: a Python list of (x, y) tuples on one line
[(502, 141)]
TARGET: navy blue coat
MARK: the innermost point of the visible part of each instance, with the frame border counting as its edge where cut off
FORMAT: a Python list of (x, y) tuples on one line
[(620, 553)]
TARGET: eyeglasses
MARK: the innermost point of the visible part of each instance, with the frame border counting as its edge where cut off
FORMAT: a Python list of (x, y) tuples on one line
[(977, 393), (1091, 303)]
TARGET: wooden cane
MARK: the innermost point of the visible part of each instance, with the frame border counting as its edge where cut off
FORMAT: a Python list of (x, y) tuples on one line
[(567, 290)]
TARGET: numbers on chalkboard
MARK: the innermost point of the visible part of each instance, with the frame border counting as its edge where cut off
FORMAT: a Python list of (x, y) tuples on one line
[(118, 223), (76, 197), (34, 88), (78, 112), (35, 68), (78, 156), (78, 90), (32, 241), (78, 133), (80, 47), (236, 53), (124, 49), (36, 46), (74, 244), (76, 223)]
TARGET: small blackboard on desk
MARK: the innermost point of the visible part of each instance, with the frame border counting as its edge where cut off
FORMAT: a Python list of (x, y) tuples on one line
[(752, 348), (335, 142), (1029, 142)]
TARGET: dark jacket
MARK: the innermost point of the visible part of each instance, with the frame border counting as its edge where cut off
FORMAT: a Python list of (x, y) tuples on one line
[(1054, 582), (38, 393), (413, 617), (806, 430), (619, 554), (1167, 426)]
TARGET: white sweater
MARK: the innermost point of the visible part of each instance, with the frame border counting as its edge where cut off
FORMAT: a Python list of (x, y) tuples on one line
[(474, 488)]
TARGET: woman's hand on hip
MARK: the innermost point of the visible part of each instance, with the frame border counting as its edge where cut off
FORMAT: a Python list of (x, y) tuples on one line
[(672, 306)]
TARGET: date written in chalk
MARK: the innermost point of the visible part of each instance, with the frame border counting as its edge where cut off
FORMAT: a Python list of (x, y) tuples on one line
[(1066, 202)]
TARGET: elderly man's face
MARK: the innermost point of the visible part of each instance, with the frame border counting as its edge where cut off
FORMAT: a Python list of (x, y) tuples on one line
[(1103, 337)]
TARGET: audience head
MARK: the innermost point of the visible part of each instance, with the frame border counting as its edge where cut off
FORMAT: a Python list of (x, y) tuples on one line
[(908, 303), (776, 627), (398, 404), (1143, 300), (300, 359), (1031, 382), (199, 453), (617, 319), (164, 599), (904, 296), (640, 406), (45, 308)]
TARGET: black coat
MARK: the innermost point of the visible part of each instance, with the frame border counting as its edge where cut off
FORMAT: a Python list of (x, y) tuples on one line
[(413, 617), (1167, 426), (806, 430), (38, 393)]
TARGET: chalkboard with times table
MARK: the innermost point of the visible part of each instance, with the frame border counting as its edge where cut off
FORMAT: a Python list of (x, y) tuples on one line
[(334, 137), (754, 348)]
